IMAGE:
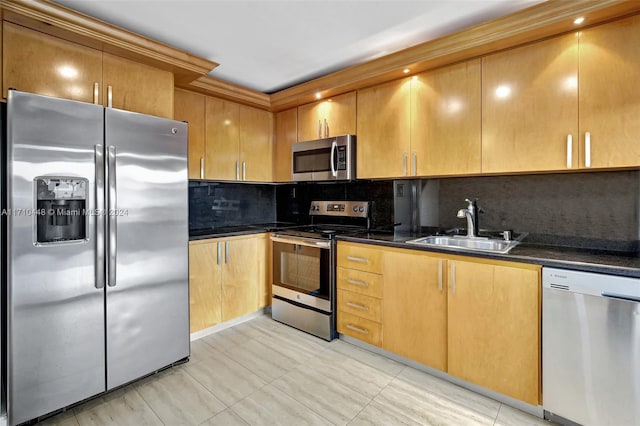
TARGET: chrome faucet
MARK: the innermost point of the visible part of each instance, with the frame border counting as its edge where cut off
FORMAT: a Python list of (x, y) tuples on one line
[(471, 213)]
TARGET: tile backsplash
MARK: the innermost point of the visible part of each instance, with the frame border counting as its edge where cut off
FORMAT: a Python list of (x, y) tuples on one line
[(588, 209), (214, 205)]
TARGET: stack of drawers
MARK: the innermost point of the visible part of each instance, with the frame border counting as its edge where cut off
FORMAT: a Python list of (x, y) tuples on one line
[(359, 283)]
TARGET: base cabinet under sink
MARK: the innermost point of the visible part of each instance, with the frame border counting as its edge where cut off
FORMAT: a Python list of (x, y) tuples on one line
[(473, 318)]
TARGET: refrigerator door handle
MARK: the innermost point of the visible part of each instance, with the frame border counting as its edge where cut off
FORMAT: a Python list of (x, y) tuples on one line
[(99, 267), (112, 225)]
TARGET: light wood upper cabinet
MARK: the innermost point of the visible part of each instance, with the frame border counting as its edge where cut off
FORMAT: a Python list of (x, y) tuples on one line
[(137, 87), (530, 107), (42, 64), (384, 130), (190, 107), (205, 281), (238, 142), (494, 327), (256, 144), (286, 131), (446, 121), (38, 63), (331, 117), (610, 94), (222, 139), (415, 307)]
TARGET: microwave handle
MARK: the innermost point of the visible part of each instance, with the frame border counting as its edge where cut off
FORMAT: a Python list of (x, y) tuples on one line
[(334, 147)]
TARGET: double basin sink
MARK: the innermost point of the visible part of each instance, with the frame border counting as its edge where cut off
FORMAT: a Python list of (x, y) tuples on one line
[(459, 242)]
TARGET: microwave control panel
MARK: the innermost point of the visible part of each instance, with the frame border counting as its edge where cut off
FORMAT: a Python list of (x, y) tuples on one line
[(341, 153)]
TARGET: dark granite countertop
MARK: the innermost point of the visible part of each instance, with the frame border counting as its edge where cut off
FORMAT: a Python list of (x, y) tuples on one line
[(602, 261), (232, 231)]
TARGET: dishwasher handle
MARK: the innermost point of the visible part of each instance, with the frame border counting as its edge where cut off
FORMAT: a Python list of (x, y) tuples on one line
[(621, 297)]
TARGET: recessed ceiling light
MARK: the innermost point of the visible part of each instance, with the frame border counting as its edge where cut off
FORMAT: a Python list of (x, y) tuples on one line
[(318, 95), (579, 20), (406, 70)]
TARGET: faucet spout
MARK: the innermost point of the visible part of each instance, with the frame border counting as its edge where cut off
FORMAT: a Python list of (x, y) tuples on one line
[(471, 214)]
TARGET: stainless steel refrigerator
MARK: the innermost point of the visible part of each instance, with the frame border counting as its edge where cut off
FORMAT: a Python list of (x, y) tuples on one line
[(97, 259)]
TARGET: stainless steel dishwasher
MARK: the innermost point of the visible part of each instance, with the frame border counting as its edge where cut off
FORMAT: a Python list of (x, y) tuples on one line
[(590, 348)]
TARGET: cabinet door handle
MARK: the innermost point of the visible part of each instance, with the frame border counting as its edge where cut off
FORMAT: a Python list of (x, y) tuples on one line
[(414, 160), (237, 170), (326, 128), (357, 282), (201, 167), (453, 277), (587, 149), (319, 129), (219, 254), (226, 252), (404, 164), (244, 170), (357, 306), (96, 93), (569, 151), (109, 97), (357, 259), (440, 274), (357, 329)]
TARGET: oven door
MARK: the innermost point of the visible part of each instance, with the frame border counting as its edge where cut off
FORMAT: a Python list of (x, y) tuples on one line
[(302, 271)]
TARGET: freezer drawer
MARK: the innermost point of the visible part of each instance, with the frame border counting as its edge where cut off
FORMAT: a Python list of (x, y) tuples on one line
[(591, 347)]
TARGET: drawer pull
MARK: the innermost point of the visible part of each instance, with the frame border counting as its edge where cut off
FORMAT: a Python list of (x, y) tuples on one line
[(357, 329), (357, 282), (357, 259), (357, 306)]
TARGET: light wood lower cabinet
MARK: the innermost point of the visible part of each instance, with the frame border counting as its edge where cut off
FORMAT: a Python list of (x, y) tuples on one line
[(494, 327), (227, 279), (476, 319), (359, 285), (415, 306), (205, 286)]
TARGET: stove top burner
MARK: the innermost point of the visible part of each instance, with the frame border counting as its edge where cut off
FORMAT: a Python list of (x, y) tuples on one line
[(322, 230)]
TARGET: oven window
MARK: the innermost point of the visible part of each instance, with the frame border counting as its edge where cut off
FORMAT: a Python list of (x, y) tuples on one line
[(303, 269), (317, 160)]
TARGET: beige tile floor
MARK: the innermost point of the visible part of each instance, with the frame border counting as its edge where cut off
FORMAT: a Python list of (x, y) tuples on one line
[(264, 373)]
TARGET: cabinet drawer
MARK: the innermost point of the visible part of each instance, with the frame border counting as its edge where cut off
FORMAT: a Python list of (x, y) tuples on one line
[(360, 305), (360, 328), (360, 282), (360, 257)]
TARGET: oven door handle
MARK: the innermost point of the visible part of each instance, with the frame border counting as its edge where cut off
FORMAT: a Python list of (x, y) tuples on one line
[(309, 242)]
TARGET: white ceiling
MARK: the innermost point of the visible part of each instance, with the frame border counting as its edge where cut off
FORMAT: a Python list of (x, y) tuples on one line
[(270, 45)]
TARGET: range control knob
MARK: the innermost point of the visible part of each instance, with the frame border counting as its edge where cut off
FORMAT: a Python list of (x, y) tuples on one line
[(355, 208), (361, 209)]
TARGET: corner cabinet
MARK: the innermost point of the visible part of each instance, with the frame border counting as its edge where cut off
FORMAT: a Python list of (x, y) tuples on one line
[(227, 279), (327, 118), (494, 326), (476, 319), (38, 63), (238, 142)]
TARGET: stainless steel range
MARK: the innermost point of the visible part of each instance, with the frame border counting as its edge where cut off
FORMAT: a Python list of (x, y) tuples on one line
[(304, 278)]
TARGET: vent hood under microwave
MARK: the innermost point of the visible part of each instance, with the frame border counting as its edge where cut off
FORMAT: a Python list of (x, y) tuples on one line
[(326, 159)]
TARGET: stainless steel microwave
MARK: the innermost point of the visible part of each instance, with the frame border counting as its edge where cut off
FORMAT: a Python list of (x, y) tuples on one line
[(324, 159)]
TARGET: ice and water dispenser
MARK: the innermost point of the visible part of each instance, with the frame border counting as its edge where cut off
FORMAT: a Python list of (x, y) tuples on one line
[(61, 203)]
